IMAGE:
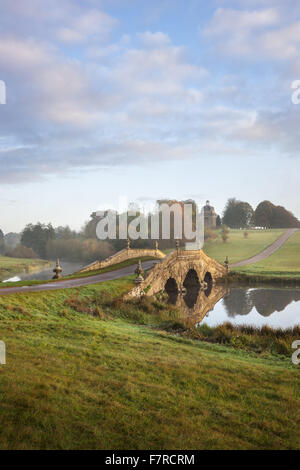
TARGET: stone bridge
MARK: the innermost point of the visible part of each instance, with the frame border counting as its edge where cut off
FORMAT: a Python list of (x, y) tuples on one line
[(124, 255), (178, 272)]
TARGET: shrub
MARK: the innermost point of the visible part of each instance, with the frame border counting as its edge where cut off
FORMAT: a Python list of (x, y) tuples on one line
[(21, 251), (205, 330), (209, 234)]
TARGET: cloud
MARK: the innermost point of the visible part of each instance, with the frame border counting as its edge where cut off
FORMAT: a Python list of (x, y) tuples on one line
[(237, 32), (158, 39), (241, 21), (92, 25), (113, 108), (80, 100), (269, 33)]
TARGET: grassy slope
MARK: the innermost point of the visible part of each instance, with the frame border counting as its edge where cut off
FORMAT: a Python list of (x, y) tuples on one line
[(284, 262), (75, 381), (238, 248), (11, 266)]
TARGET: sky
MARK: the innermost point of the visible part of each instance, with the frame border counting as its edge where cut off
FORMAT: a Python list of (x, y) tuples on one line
[(110, 100)]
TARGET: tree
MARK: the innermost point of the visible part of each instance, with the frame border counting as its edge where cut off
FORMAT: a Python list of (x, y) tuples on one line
[(237, 214), (65, 233), (263, 214), (37, 237), (2, 243), (218, 221), (224, 233), (75, 249), (12, 240), (270, 216), (21, 252), (209, 234)]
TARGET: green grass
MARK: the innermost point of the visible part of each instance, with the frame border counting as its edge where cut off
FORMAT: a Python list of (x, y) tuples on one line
[(11, 266), (238, 248), (83, 372), (285, 262)]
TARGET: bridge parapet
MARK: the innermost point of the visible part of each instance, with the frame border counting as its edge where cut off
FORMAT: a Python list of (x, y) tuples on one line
[(123, 255)]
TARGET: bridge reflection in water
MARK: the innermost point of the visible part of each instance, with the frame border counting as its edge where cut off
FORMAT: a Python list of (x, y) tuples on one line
[(195, 303)]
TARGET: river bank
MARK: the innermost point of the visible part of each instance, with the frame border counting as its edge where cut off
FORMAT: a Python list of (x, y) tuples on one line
[(12, 266), (236, 278)]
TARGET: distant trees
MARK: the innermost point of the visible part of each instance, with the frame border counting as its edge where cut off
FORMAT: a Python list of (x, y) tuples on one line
[(2, 244), (47, 242), (76, 249), (11, 240), (21, 251), (271, 216), (237, 214), (37, 236), (240, 214), (263, 214), (65, 233)]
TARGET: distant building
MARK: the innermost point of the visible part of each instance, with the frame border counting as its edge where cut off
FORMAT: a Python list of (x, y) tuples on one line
[(210, 217)]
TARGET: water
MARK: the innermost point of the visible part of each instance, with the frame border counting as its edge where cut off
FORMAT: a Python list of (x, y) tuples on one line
[(278, 308), (46, 274)]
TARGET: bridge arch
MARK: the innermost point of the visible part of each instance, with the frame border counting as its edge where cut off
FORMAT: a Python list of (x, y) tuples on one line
[(209, 281), (171, 288), (191, 280), (171, 285)]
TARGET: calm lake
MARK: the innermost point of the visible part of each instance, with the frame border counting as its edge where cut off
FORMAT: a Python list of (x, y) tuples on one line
[(45, 274), (278, 308)]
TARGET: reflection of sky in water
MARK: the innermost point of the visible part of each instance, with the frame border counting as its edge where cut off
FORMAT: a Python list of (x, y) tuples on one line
[(287, 317), (46, 274)]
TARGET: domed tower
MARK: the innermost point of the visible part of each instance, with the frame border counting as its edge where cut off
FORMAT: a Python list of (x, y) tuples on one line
[(210, 216)]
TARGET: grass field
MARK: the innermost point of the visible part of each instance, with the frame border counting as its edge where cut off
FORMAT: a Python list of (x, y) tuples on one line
[(11, 266), (285, 262), (237, 247), (103, 377)]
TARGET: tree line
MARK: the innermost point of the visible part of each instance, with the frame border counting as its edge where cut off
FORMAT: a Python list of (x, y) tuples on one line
[(46, 242), (240, 214)]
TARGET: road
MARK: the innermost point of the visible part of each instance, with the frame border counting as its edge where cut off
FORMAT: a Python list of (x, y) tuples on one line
[(269, 250), (79, 282)]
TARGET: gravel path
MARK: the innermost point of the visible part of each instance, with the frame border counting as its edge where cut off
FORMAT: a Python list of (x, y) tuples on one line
[(269, 250)]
